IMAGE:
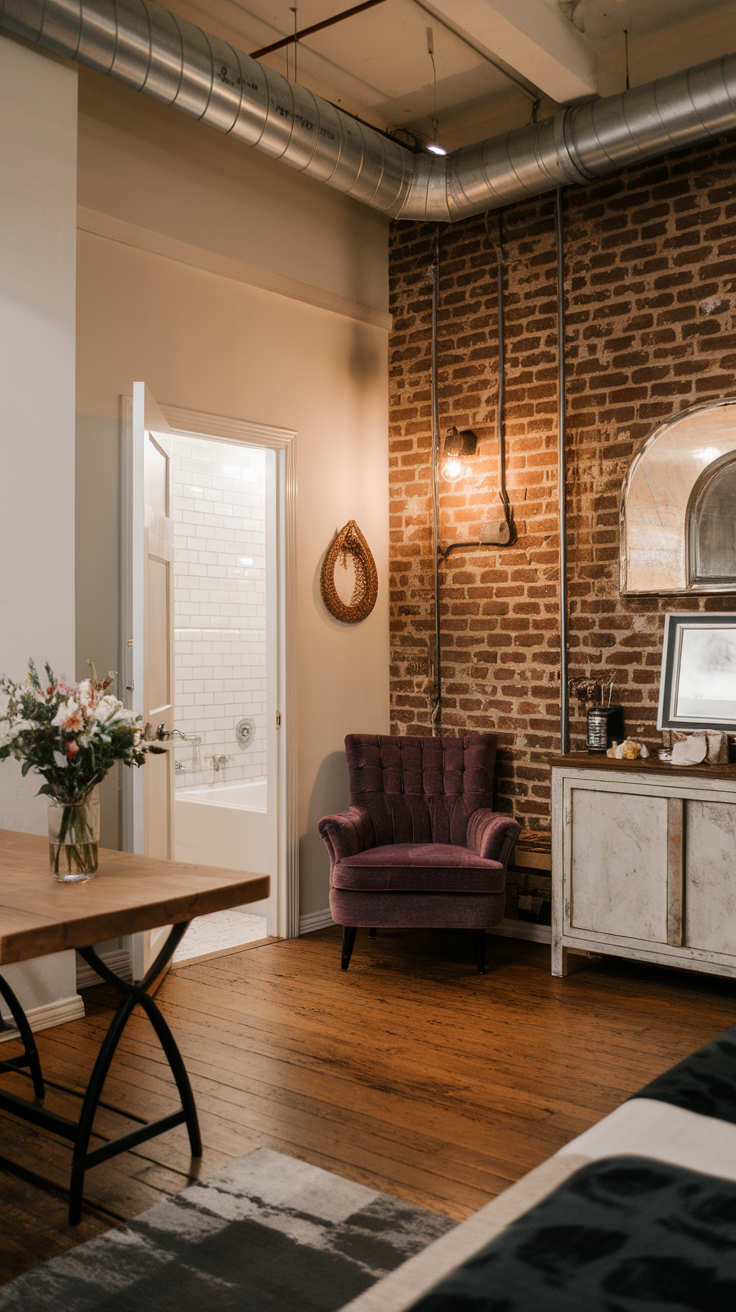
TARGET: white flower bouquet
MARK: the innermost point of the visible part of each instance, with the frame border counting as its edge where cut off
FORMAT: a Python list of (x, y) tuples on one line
[(71, 736)]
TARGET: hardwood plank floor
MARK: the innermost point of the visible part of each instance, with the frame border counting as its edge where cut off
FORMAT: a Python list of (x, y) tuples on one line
[(410, 1073)]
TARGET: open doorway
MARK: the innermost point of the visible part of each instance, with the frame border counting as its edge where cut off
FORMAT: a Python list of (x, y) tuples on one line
[(224, 742), (225, 672)]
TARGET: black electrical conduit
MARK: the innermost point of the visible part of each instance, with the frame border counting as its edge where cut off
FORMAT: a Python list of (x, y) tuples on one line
[(436, 717), (440, 551), (444, 552), (500, 410), (501, 406), (562, 471)]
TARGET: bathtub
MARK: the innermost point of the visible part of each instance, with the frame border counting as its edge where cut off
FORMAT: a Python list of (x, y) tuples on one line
[(246, 796), (225, 825)]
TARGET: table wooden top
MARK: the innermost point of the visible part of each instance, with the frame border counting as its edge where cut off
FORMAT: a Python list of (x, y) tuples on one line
[(129, 894), (599, 761)]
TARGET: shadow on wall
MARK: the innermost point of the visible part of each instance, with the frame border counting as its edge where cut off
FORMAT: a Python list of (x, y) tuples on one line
[(330, 795), (365, 355), (96, 575)]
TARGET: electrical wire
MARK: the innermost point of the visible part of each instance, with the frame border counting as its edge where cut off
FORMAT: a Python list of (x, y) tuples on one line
[(562, 473), (430, 52), (436, 716), (501, 403), (482, 54), (626, 48)]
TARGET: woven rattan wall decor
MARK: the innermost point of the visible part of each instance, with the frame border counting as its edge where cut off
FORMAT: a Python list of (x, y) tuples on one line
[(350, 542)]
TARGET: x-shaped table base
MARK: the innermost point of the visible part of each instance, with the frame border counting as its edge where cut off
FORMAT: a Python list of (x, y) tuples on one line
[(79, 1132)]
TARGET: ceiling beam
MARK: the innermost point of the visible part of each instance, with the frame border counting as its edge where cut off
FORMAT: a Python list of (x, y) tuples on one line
[(531, 36), (316, 27)]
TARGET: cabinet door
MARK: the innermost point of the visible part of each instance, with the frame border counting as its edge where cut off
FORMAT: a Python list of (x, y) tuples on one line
[(710, 878), (619, 864)]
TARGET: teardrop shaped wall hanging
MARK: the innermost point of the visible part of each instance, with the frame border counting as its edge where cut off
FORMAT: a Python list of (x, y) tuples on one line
[(350, 542)]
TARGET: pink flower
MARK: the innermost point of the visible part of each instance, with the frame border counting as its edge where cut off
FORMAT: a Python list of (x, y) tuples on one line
[(71, 749)]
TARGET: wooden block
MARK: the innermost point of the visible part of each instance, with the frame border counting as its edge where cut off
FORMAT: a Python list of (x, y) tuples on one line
[(525, 860)]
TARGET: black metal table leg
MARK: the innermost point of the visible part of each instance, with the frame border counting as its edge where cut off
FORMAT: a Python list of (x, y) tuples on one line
[(82, 1158), (80, 1132), (30, 1051)]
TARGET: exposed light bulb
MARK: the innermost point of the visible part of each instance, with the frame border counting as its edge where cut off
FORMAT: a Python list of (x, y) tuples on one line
[(435, 148), (452, 468)]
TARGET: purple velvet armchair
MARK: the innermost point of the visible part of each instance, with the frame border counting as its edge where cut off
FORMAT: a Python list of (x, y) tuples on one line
[(421, 846)]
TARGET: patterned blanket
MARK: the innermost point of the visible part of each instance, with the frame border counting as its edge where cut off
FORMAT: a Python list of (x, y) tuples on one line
[(638, 1214)]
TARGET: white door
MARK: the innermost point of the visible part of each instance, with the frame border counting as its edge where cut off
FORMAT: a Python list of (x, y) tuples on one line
[(148, 635)]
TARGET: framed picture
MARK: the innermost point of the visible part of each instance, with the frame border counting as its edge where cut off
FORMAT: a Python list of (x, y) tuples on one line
[(698, 686)]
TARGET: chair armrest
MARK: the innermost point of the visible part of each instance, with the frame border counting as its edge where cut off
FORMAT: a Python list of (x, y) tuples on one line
[(348, 833), (491, 834)]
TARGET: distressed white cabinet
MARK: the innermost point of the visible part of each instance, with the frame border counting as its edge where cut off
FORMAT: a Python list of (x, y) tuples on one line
[(644, 862)]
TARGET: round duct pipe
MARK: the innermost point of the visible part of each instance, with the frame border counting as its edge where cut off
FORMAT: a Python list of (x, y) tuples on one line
[(164, 56)]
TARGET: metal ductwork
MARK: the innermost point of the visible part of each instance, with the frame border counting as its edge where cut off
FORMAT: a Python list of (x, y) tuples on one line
[(162, 55)]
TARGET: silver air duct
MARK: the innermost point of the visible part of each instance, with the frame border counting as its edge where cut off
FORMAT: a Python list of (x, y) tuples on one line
[(162, 55)]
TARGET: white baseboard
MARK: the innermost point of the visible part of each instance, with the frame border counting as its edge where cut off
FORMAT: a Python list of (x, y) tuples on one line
[(315, 920), (117, 959), (523, 929), (54, 1013)]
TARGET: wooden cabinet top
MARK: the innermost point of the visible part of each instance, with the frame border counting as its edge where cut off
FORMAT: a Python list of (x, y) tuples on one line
[(130, 894), (651, 765)]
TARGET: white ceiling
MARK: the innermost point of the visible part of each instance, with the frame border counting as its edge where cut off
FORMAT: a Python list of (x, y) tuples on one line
[(494, 58)]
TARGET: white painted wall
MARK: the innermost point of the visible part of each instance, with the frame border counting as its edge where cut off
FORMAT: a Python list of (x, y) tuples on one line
[(219, 346), (153, 166), (38, 150)]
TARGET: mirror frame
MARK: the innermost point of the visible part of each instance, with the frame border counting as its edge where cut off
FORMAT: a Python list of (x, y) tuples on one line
[(688, 585)]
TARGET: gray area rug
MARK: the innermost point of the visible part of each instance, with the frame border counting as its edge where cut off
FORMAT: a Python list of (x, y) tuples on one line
[(267, 1232)]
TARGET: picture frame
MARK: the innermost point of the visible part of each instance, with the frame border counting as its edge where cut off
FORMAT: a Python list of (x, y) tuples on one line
[(698, 684)]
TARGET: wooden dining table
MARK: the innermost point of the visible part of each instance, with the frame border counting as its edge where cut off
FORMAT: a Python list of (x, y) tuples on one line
[(130, 894)]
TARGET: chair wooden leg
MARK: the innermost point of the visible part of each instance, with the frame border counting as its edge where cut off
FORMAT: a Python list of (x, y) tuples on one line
[(348, 943), (371, 933), (479, 948)]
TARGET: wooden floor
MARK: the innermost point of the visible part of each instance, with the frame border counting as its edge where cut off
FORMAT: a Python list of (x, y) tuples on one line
[(411, 1073)]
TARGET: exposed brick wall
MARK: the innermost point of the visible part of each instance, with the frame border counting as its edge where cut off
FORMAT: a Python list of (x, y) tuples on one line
[(651, 330)]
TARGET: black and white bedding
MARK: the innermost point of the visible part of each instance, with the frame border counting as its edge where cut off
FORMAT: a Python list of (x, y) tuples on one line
[(621, 1235), (638, 1214)]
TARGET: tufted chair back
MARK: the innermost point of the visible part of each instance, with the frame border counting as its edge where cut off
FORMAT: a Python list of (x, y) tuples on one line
[(420, 790)]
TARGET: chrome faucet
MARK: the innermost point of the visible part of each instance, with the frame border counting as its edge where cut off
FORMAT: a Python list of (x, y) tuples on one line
[(219, 763)]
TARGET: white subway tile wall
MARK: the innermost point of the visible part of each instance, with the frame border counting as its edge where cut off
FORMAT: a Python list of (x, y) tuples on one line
[(219, 511)]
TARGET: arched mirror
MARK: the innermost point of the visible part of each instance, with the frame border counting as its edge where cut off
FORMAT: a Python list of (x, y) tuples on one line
[(678, 511), (712, 526)]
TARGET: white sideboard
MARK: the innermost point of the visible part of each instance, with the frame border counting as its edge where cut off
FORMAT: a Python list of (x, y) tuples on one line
[(644, 862)]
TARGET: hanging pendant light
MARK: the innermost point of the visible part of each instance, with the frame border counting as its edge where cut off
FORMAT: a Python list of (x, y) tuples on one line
[(433, 146)]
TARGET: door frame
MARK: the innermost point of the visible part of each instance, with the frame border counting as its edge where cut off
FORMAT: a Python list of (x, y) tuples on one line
[(195, 423)]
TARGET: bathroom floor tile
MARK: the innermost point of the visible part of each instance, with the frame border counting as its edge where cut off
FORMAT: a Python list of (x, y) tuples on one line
[(223, 929)]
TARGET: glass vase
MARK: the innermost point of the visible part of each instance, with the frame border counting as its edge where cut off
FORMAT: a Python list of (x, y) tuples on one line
[(74, 839)]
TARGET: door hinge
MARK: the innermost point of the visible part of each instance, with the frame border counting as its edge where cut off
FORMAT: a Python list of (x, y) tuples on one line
[(278, 719)]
